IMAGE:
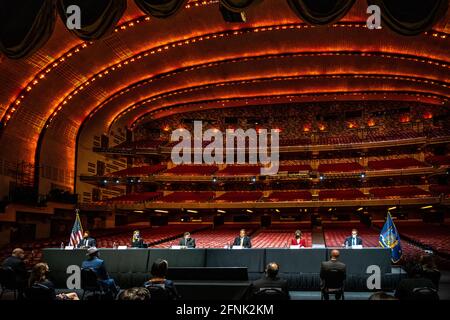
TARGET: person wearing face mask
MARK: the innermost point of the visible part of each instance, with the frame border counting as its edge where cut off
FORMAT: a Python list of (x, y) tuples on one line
[(187, 241), (298, 240), (353, 240), (137, 241)]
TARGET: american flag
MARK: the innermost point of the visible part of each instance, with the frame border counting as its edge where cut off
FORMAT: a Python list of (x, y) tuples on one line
[(77, 231)]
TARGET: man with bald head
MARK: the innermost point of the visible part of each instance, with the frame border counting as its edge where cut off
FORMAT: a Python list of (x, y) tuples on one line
[(16, 263), (332, 275), (271, 280)]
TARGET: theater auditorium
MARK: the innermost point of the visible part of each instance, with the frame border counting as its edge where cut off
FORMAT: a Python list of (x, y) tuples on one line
[(349, 98)]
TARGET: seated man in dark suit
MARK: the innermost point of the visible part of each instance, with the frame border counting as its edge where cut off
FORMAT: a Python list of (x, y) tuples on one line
[(98, 265), (87, 241), (271, 281), (243, 240), (416, 286), (16, 263), (353, 240), (187, 241), (332, 275)]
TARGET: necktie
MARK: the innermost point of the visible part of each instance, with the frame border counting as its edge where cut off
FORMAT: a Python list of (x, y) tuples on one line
[(242, 242), (353, 241)]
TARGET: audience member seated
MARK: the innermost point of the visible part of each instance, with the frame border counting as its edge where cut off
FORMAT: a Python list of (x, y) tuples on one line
[(159, 287), (380, 295), (40, 288), (270, 286), (134, 294), (98, 266), (430, 270), (87, 242), (16, 263), (333, 274), (416, 286)]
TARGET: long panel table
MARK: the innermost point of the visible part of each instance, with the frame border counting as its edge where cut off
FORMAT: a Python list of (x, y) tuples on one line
[(300, 267)]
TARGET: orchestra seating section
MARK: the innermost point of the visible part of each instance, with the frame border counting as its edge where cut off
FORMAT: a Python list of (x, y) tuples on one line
[(187, 196), (279, 237), (239, 196), (348, 194), (394, 164), (399, 192)]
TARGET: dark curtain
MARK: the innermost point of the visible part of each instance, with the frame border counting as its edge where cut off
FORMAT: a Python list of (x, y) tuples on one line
[(238, 5), (160, 8), (411, 17), (320, 12), (25, 26), (98, 17)]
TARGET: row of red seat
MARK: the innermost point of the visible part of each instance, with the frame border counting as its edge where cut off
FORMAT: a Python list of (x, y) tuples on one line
[(254, 170)]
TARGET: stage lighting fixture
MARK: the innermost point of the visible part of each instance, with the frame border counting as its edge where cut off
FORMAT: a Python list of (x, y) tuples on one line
[(233, 17), (221, 211)]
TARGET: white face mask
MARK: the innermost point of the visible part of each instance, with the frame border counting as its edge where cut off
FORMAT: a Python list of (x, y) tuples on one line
[(354, 235)]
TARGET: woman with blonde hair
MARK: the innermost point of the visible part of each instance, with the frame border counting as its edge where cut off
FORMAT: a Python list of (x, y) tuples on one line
[(136, 240)]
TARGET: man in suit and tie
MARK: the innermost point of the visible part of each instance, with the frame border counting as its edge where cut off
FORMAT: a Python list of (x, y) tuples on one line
[(87, 242), (187, 241), (332, 275), (96, 264), (353, 240), (243, 240)]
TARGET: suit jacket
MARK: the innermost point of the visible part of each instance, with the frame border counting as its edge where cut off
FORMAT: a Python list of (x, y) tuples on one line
[(266, 282), (332, 265), (189, 243), (87, 243), (98, 265), (302, 242), (18, 266), (348, 241), (246, 243), (138, 243)]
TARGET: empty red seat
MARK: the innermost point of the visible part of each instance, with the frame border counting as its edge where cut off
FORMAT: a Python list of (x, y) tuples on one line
[(341, 167), (290, 196), (193, 169), (439, 160), (240, 196), (187, 196), (399, 192), (240, 170), (404, 163), (347, 194)]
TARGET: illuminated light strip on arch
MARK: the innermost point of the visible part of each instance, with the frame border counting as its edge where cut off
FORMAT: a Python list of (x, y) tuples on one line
[(168, 46), (289, 78), (243, 59), (289, 96), (133, 23), (41, 75)]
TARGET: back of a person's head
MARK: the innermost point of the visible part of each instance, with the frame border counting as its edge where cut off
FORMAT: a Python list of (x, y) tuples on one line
[(38, 273), (159, 268), (427, 262), (135, 294), (272, 270), (17, 252), (381, 296), (334, 254)]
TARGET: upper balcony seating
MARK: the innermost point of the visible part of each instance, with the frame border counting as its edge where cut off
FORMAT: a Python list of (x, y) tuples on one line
[(240, 196), (193, 170), (290, 196), (135, 197), (240, 170), (187, 196), (295, 142), (294, 168), (439, 160), (395, 164), (344, 139), (440, 189), (347, 194), (341, 167), (140, 144), (399, 192), (139, 171)]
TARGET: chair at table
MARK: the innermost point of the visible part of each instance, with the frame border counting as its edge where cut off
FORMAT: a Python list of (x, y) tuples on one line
[(39, 292), (8, 281), (269, 294), (333, 283), (425, 294), (90, 283)]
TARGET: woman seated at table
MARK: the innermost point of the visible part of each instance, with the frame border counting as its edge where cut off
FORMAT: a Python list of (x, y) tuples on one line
[(137, 241), (298, 240)]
